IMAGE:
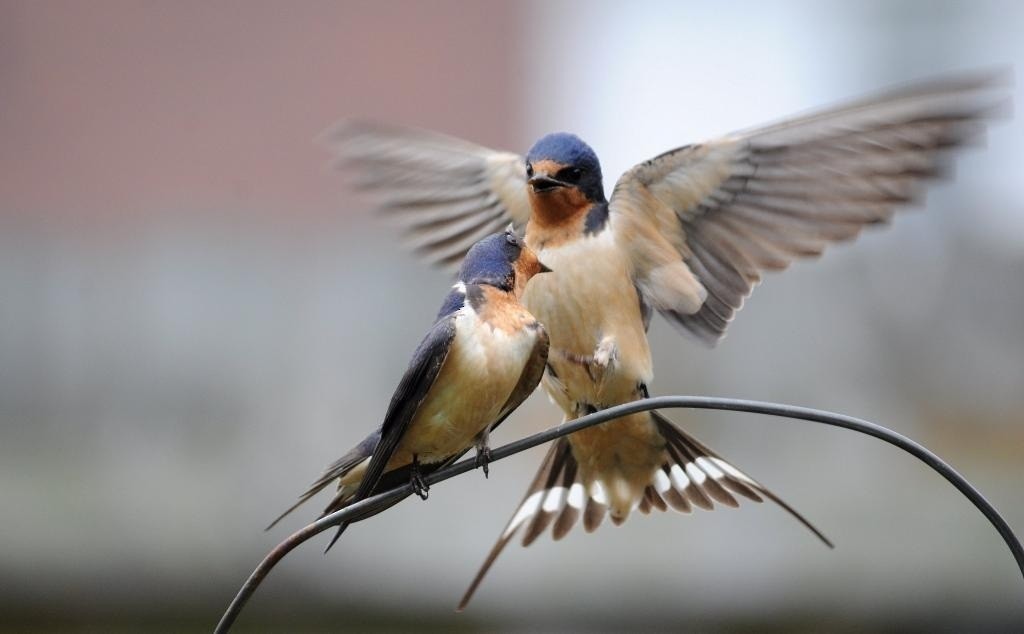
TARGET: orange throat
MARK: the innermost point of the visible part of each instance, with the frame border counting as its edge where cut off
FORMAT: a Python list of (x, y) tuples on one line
[(503, 312), (558, 216)]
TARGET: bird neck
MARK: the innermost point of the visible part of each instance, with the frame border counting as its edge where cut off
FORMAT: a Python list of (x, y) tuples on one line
[(558, 207), (558, 218), (496, 306)]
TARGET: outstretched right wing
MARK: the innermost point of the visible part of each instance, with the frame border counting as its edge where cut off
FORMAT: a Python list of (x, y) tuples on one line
[(445, 192), (702, 222)]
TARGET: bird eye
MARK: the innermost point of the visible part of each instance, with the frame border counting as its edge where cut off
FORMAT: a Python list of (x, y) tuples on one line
[(570, 175), (529, 171)]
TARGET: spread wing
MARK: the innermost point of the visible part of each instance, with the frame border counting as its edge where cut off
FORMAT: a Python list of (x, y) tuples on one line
[(446, 193), (702, 222)]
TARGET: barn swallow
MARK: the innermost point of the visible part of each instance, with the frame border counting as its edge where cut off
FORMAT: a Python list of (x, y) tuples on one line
[(482, 357), (687, 233)]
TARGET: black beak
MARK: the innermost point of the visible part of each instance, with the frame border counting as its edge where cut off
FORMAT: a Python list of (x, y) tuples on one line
[(543, 183), (543, 267)]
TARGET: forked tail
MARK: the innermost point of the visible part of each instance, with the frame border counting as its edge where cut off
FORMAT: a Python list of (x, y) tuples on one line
[(692, 475)]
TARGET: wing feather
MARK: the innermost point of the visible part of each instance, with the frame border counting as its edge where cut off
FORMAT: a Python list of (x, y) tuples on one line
[(445, 193), (426, 364), (754, 201)]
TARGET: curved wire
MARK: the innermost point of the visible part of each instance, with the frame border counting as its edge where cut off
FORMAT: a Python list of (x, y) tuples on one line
[(371, 506)]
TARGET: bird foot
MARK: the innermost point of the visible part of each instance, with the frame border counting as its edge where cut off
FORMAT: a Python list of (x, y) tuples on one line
[(606, 353), (483, 458), (419, 486)]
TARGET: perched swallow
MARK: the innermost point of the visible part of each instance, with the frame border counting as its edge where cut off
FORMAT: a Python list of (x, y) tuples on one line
[(483, 356), (687, 233)]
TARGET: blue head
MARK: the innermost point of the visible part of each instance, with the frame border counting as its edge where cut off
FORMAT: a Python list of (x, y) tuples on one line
[(501, 260), (562, 161)]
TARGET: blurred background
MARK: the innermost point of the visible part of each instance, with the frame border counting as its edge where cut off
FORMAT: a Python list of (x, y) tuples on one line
[(196, 316)]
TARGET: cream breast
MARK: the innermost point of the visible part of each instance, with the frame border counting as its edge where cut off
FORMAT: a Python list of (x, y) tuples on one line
[(483, 366), (590, 297)]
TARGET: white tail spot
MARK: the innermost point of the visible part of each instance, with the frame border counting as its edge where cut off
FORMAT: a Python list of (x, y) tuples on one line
[(555, 499), (733, 471), (661, 482), (527, 510), (576, 496), (679, 478), (695, 473), (709, 467)]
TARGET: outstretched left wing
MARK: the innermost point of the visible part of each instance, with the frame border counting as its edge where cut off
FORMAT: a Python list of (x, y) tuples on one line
[(446, 193)]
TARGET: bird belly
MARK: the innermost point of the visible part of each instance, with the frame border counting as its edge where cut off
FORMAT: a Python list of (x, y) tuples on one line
[(483, 367), (588, 298)]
